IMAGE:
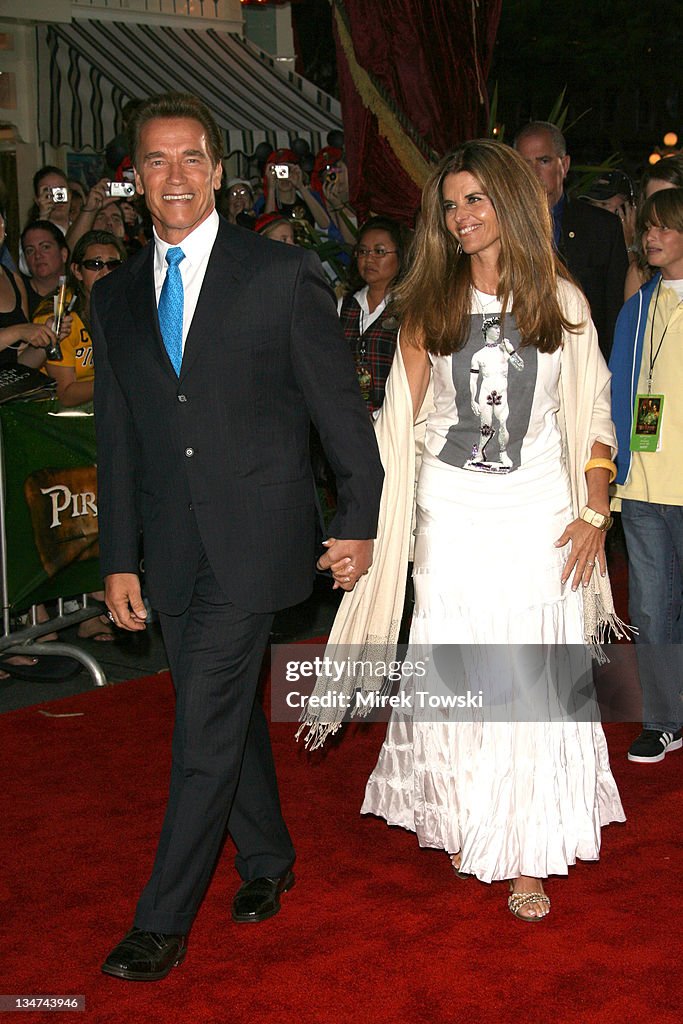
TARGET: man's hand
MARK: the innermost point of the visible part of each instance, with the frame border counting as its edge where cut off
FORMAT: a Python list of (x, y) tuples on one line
[(348, 560), (123, 598)]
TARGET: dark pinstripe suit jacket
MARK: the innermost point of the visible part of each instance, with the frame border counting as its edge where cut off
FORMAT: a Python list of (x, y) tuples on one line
[(592, 245), (225, 448)]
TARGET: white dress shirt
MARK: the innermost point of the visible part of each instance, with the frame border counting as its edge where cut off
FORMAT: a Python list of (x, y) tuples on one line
[(367, 318), (197, 248)]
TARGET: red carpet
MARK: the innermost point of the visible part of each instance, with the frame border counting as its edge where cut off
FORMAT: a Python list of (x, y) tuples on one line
[(376, 929)]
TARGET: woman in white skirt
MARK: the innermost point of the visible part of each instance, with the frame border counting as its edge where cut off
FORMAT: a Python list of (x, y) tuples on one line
[(512, 507)]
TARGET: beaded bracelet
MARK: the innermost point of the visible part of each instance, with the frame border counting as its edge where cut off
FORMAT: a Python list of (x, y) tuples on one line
[(602, 464)]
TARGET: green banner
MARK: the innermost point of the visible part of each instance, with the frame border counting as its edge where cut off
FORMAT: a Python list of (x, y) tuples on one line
[(50, 501)]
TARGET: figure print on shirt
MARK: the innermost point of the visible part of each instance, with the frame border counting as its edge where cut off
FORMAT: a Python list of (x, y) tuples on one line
[(494, 386), (489, 377)]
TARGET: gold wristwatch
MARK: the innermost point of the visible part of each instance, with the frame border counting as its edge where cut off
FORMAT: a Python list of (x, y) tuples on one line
[(597, 519)]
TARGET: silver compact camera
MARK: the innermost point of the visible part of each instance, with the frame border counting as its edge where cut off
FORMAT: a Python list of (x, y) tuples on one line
[(281, 170), (120, 189), (59, 195)]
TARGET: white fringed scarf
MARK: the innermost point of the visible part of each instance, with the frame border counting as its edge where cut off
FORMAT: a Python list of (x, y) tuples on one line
[(369, 616)]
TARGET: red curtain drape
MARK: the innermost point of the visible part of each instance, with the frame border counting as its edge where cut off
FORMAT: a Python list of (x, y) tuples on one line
[(428, 61)]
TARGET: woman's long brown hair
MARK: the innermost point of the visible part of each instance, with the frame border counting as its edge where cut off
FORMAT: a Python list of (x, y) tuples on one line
[(435, 296)]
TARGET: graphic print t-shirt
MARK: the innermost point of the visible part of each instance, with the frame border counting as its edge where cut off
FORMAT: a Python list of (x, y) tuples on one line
[(495, 402)]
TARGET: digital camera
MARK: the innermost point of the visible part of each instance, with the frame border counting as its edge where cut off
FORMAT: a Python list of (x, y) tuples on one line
[(59, 195), (120, 189), (281, 170)]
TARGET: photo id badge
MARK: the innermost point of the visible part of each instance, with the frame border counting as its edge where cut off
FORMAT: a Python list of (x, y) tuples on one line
[(647, 423), (364, 380)]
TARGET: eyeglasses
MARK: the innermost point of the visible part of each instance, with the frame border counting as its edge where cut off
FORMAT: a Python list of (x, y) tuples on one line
[(234, 192), (378, 251), (99, 264)]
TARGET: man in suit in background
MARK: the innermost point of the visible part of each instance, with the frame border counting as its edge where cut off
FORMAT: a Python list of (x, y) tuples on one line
[(589, 240), (214, 349)]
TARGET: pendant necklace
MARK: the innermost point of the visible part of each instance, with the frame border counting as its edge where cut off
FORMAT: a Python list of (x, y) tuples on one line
[(363, 371)]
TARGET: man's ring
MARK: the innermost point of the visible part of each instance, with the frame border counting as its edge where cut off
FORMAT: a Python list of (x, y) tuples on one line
[(110, 616)]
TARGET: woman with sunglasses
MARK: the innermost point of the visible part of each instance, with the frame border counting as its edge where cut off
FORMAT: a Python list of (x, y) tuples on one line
[(96, 253), (368, 324)]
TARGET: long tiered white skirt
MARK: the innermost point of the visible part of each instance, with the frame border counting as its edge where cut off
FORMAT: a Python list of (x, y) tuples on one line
[(513, 797)]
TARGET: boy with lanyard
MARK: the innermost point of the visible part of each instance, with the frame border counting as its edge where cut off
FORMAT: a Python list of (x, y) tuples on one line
[(647, 384)]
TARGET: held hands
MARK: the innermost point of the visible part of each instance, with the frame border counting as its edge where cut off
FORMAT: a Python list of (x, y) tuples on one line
[(348, 560), (588, 547), (123, 598)]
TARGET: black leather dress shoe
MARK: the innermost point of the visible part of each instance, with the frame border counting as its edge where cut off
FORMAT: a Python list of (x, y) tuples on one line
[(259, 899), (145, 956)]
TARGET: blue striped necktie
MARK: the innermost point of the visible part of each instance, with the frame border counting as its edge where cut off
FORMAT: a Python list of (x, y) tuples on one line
[(171, 304)]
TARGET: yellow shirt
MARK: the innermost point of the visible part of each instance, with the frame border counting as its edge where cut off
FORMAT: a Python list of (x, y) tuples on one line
[(77, 350), (76, 347), (658, 476)]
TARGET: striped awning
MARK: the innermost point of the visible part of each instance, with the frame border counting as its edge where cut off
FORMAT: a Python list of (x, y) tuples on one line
[(88, 69)]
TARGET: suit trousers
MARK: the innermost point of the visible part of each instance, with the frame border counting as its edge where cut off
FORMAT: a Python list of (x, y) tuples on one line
[(222, 773)]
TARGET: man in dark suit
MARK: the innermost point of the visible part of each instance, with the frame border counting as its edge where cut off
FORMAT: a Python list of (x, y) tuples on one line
[(589, 240), (214, 349)]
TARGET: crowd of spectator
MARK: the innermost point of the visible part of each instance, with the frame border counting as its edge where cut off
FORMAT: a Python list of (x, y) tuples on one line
[(297, 197), (293, 196)]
